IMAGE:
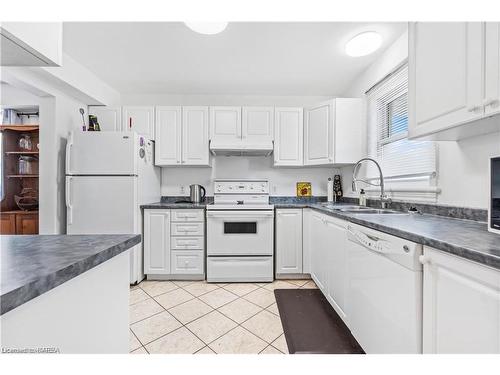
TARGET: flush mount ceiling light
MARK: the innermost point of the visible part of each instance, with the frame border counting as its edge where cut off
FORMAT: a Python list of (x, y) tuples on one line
[(207, 28), (363, 44)]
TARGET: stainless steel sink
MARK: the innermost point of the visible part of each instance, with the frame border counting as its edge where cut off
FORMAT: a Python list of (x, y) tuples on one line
[(352, 209)]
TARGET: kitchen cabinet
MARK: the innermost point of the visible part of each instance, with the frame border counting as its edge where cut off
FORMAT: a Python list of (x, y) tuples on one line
[(225, 125), (325, 247), (288, 136), (288, 241), (181, 136), (174, 244), (492, 68), (8, 223), (156, 242), (109, 118), (453, 79), (195, 136), (461, 305), (139, 119), (333, 132), (257, 126), (19, 222)]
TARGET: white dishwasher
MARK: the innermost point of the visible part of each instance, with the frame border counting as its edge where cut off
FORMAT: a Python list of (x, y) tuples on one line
[(384, 306)]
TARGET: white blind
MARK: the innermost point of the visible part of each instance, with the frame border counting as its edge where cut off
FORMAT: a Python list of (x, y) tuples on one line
[(388, 132)]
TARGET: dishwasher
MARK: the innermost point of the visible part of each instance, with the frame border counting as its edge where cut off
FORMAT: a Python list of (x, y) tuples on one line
[(384, 306)]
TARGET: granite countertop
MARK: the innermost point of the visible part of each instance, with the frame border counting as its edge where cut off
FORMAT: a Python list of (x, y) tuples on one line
[(33, 265), (464, 238)]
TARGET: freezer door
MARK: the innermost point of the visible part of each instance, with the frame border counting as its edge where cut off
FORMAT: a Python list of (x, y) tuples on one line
[(102, 153), (101, 205)]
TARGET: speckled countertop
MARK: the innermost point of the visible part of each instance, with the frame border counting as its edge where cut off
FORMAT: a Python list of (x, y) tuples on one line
[(33, 265)]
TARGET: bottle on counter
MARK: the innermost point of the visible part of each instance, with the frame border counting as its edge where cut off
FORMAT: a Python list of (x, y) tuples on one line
[(362, 198)]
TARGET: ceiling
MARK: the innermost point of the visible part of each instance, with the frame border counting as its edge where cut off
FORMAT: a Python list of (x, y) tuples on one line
[(250, 58)]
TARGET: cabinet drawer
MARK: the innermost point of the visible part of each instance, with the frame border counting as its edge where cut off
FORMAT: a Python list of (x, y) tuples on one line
[(180, 243), (187, 262), (187, 229), (187, 215)]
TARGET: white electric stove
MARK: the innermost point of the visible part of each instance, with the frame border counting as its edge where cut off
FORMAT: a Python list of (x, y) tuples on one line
[(240, 232)]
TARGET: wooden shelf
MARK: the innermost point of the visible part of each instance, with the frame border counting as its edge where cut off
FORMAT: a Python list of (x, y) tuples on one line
[(20, 128), (22, 176), (20, 212), (22, 152)]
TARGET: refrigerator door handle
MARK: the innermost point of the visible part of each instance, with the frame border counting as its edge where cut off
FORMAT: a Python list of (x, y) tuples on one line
[(69, 147), (69, 218)]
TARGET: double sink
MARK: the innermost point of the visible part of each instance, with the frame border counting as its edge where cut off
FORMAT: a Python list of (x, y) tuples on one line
[(361, 209)]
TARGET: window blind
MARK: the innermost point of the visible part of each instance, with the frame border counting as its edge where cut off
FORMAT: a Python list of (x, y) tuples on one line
[(388, 131)]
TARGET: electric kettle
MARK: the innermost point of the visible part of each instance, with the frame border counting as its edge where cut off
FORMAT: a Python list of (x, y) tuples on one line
[(196, 193)]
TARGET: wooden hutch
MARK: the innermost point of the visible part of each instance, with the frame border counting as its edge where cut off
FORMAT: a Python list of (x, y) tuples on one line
[(13, 220)]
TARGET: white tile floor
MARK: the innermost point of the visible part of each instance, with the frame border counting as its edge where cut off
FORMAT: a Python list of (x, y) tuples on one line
[(185, 317)]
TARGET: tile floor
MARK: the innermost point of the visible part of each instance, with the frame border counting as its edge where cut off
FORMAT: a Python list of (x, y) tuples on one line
[(185, 317)]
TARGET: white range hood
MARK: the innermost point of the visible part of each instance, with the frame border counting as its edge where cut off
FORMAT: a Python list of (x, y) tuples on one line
[(242, 149)]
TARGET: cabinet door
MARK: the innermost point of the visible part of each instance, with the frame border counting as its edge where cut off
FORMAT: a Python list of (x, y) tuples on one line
[(288, 136), (157, 242), (445, 75), (7, 223), (336, 264), (461, 306), (288, 241), (258, 125), (225, 125), (168, 135), (27, 223), (195, 139), (139, 120), (109, 118), (492, 68), (349, 131), (318, 248), (319, 134)]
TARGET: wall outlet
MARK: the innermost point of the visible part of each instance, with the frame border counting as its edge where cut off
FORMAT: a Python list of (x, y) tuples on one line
[(182, 190)]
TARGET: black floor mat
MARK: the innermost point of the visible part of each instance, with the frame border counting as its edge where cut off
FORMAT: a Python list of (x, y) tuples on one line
[(311, 325)]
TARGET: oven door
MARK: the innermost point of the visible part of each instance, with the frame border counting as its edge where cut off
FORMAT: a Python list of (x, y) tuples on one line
[(240, 232)]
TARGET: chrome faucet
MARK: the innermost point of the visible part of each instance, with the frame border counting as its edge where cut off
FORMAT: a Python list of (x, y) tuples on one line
[(384, 200)]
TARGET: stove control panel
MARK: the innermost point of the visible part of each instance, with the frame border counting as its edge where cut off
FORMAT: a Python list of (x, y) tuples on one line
[(241, 187)]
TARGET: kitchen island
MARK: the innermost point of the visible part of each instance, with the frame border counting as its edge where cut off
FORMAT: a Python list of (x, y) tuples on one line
[(66, 294)]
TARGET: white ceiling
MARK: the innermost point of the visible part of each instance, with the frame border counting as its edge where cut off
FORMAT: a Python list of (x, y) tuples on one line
[(247, 58)]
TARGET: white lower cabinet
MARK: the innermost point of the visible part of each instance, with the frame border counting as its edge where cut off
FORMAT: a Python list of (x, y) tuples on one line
[(461, 306), (174, 244), (328, 253), (288, 241)]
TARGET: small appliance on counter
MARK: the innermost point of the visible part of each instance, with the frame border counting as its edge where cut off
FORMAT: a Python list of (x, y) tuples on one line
[(494, 204), (197, 193)]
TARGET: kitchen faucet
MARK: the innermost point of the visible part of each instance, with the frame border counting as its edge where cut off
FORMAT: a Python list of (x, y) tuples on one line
[(384, 200)]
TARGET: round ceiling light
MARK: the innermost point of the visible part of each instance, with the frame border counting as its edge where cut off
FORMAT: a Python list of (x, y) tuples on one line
[(207, 28), (363, 44)]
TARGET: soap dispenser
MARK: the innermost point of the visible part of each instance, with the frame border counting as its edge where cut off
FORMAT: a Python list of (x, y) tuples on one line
[(362, 198)]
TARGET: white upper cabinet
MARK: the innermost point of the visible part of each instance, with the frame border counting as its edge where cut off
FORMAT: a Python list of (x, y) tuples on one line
[(168, 136), (461, 305), (225, 125), (319, 134), (195, 138), (139, 119), (288, 136), (447, 83), (333, 132), (109, 118), (257, 125), (492, 68)]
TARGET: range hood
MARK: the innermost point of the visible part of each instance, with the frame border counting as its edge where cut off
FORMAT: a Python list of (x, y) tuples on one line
[(242, 149)]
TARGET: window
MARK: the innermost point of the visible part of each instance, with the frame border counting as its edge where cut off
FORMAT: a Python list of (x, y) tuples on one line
[(409, 167)]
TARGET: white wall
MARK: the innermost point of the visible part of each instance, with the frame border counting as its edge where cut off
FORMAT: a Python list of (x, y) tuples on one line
[(58, 116), (282, 180), (462, 166)]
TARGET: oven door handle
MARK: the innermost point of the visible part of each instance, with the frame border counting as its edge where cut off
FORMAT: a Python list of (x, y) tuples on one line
[(240, 214)]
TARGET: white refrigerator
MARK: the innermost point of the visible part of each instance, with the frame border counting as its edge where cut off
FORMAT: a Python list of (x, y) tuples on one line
[(108, 176)]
